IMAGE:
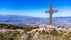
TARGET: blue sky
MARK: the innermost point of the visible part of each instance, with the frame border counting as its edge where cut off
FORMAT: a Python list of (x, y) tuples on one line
[(35, 8)]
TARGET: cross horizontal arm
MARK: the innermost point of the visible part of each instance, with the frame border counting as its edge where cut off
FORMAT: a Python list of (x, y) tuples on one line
[(55, 11), (46, 11)]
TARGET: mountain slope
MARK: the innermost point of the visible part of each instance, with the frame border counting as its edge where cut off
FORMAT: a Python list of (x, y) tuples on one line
[(33, 21)]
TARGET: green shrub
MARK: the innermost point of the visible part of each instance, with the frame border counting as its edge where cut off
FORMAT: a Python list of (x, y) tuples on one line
[(54, 32)]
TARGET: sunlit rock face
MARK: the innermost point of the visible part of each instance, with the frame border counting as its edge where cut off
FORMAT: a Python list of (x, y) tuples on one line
[(24, 37), (51, 34), (36, 34)]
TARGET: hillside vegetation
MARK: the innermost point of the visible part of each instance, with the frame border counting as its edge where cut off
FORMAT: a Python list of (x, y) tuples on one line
[(33, 33)]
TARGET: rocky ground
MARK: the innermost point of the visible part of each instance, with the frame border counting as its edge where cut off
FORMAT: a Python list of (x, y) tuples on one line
[(35, 34)]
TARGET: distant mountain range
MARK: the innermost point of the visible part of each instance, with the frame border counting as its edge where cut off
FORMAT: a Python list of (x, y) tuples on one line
[(33, 21)]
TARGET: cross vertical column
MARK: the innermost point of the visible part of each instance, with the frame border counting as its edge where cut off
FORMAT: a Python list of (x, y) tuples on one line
[(50, 20), (50, 11)]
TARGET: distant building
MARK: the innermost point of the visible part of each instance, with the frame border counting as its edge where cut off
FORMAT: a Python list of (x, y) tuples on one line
[(46, 27)]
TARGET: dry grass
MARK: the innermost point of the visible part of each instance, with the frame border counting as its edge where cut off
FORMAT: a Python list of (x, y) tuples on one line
[(37, 34)]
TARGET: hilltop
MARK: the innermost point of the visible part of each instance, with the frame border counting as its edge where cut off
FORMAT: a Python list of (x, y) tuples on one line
[(36, 34)]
